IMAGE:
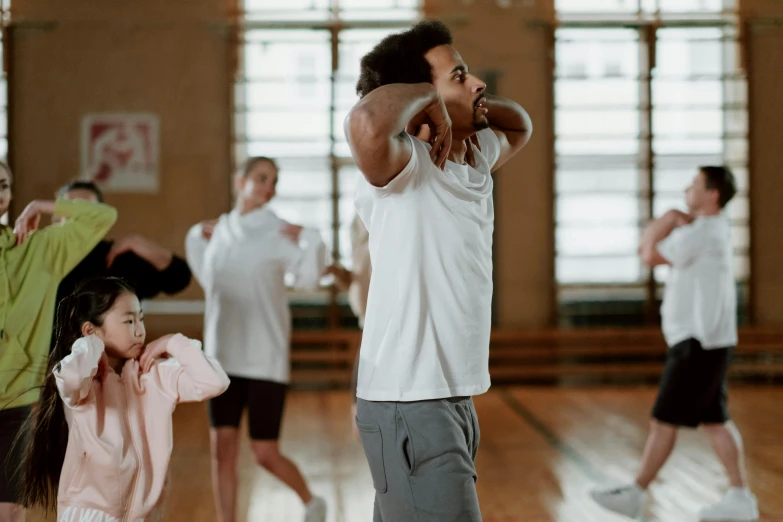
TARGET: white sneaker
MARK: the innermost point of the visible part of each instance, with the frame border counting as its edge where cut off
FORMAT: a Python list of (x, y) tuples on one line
[(626, 500), (315, 510), (738, 504)]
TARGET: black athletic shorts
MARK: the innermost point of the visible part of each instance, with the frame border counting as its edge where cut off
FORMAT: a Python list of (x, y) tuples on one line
[(11, 421), (693, 387), (264, 401)]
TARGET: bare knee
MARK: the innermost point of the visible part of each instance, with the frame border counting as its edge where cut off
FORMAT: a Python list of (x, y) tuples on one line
[(266, 453), (225, 447), (718, 431), (714, 429), (659, 427)]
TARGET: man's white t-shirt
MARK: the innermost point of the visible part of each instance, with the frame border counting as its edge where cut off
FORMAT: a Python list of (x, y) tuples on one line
[(426, 332), (700, 300)]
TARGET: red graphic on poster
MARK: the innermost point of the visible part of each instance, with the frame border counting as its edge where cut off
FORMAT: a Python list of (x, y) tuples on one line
[(120, 152)]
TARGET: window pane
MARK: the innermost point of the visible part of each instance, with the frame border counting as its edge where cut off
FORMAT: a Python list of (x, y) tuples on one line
[(605, 180), (379, 9), (597, 92), (304, 178), (673, 181), (597, 53), (598, 270), (586, 240), (578, 92), (695, 6), (299, 10), (353, 45), (676, 123), (349, 177), (597, 127), (596, 6), (650, 6), (598, 208), (283, 97)]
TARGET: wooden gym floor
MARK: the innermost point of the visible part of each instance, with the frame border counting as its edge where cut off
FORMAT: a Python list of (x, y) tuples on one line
[(541, 450)]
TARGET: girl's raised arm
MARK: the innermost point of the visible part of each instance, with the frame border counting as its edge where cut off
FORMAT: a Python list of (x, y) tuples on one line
[(76, 371)]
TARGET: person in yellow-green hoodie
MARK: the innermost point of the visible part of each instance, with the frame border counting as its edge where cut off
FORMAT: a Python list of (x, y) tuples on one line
[(32, 264)]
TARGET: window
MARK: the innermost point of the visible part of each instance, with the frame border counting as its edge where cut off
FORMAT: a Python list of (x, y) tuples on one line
[(645, 92), (299, 63)]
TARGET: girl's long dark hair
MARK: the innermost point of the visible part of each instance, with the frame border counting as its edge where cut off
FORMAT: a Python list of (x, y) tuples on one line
[(44, 436)]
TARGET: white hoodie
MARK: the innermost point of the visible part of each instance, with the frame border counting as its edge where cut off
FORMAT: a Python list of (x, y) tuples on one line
[(242, 269)]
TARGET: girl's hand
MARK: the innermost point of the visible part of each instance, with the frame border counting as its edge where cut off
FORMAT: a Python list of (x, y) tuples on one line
[(30, 218), (152, 351)]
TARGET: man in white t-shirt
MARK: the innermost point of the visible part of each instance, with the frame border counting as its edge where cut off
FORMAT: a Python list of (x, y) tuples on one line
[(426, 136), (699, 319)]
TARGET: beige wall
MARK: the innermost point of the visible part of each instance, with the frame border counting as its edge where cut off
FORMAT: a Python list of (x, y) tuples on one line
[(70, 59), (172, 58), (766, 94)]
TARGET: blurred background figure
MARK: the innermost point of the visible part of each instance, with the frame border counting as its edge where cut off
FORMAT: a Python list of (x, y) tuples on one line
[(356, 282), (148, 267), (241, 263)]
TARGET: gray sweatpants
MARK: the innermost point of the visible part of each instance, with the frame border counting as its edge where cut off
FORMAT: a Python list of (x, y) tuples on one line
[(421, 456)]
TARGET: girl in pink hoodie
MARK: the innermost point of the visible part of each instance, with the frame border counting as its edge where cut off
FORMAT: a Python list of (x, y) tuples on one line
[(99, 444)]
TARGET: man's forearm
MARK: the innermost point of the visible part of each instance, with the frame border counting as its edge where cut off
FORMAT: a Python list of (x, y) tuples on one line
[(659, 230), (155, 255), (507, 115), (390, 108), (44, 207)]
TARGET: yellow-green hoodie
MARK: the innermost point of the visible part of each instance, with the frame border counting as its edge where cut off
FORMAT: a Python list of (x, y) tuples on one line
[(29, 276)]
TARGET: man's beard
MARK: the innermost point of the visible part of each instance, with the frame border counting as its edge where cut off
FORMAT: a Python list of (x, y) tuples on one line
[(480, 124)]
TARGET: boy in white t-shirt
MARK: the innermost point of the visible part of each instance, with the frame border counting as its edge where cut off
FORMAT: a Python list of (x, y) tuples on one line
[(426, 136), (699, 319)]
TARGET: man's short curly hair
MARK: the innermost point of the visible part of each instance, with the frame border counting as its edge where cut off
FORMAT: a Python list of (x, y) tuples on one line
[(399, 58)]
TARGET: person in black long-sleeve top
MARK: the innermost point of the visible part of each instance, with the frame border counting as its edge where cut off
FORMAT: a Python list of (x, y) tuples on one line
[(147, 266)]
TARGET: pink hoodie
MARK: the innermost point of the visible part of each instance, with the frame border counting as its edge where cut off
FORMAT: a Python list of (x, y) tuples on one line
[(120, 429)]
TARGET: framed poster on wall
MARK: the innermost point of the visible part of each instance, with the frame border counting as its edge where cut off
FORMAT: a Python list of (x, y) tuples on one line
[(120, 151)]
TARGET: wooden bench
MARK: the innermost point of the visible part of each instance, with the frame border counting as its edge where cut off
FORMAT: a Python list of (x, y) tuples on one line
[(325, 357)]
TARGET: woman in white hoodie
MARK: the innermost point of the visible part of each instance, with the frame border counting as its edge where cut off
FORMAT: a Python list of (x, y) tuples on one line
[(241, 260)]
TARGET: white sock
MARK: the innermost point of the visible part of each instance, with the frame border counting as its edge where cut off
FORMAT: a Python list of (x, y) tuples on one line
[(740, 491)]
